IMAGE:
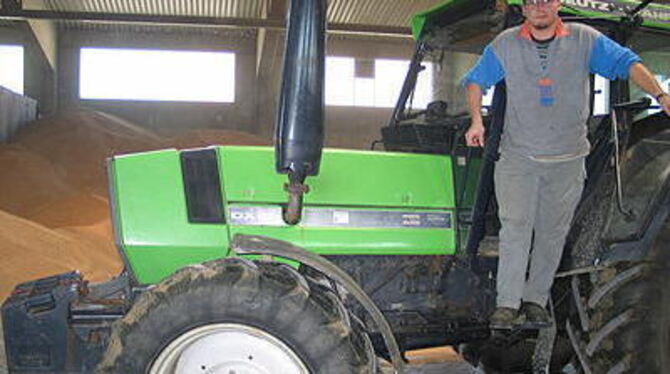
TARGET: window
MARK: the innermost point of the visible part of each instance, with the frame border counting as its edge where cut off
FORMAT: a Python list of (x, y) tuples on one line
[(380, 90), (658, 61), (601, 96), (11, 67), (487, 98), (157, 75)]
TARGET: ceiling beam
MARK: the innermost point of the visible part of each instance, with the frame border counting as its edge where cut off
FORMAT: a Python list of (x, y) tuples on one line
[(274, 10), (25, 14), (43, 29)]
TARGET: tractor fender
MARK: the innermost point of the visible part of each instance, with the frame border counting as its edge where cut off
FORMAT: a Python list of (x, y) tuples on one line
[(636, 250), (261, 245), (646, 183)]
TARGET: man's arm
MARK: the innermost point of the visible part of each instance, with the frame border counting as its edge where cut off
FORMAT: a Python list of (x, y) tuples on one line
[(613, 61), (474, 137), (487, 72), (648, 83)]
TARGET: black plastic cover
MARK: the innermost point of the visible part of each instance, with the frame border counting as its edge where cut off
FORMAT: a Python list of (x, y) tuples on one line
[(35, 322), (202, 186)]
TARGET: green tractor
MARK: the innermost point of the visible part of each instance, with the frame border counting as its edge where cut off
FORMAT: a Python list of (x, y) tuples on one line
[(231, 268)]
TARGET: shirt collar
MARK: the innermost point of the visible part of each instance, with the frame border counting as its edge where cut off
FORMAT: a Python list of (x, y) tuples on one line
[(561, 30)]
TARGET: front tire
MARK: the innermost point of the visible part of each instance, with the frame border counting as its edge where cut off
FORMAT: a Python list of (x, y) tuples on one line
[(229, 314)]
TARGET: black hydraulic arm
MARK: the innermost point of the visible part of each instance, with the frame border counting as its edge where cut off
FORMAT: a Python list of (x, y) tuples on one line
[(409, 84), (299, 129), (485, 187)]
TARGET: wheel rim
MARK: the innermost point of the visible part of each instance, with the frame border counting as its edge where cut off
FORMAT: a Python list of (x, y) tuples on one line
[(227, 348)]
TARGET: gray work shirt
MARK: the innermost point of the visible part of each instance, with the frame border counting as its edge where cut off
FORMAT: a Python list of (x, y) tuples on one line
[(547, 108)]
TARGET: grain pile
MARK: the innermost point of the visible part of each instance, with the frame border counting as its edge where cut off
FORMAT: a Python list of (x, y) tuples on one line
[(77, 144), (54, 210), (31, 251)]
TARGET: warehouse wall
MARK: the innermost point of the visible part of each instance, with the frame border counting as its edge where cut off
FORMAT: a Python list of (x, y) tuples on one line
[(448, 80), (15, 111), (39, 76), (358, 127), (166, 117), (258, 79), (346, 127)]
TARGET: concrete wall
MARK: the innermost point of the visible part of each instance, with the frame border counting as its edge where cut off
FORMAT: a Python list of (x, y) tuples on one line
[(166, 117), (356, 127), (257, 93), (258, 76), (15, 111), (39, 76), (346, 127), (448, 76)]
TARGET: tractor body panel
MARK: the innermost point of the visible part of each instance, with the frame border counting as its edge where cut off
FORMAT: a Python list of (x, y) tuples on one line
[(389, 204), (352, 178), (151, 220)]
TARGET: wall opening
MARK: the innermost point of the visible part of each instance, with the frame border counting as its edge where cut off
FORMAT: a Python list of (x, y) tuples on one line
[(352, 83), (11, 67), (156, 75)]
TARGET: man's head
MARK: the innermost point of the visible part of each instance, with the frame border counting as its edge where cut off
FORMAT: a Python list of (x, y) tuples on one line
[(541, 14)]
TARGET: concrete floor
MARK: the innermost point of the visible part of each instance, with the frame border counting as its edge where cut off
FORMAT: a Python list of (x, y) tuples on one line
[(438, 368)]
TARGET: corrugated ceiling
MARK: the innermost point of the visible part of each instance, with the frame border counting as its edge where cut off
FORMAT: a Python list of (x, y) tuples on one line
[(394, 13), (377, 12), (202, 8)]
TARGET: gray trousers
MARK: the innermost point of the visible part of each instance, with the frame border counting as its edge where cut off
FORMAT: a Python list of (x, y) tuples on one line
[(536, 203)]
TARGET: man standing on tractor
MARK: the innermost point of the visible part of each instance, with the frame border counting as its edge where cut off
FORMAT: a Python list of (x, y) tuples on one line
[(540, 174)]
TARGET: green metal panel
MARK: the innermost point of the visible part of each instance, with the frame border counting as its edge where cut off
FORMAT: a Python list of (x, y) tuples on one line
[(655, 15), (356, 180), (151, 220), (156, 238), (347, 178), (424, 20), (466, 176), (372, 241)]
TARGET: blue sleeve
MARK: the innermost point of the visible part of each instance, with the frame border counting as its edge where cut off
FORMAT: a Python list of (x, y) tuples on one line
[(487, 72), (610, 59)]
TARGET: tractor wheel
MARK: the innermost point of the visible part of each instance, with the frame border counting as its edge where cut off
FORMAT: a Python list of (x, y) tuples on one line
[(238, 316), (625, 324)]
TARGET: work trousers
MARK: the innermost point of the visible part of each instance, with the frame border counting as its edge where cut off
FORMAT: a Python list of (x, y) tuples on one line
[(536, 203)]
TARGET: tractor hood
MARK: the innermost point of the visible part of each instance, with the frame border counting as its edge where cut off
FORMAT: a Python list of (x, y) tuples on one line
[(457, 11)]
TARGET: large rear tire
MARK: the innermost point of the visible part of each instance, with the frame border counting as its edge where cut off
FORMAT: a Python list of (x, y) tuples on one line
[(626, 324), (256, 317)]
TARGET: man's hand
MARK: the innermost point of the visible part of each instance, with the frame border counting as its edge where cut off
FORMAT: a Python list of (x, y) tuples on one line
[(664, 102), (474, 137)]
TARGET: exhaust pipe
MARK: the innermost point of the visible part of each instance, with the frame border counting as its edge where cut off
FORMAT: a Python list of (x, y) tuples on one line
[(299, 127)]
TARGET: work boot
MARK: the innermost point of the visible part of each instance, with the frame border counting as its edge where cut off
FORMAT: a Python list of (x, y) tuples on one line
[(505, 319), (536, 315)]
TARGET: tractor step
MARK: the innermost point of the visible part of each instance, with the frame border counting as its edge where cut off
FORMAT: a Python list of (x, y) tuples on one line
[(488, 247)]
